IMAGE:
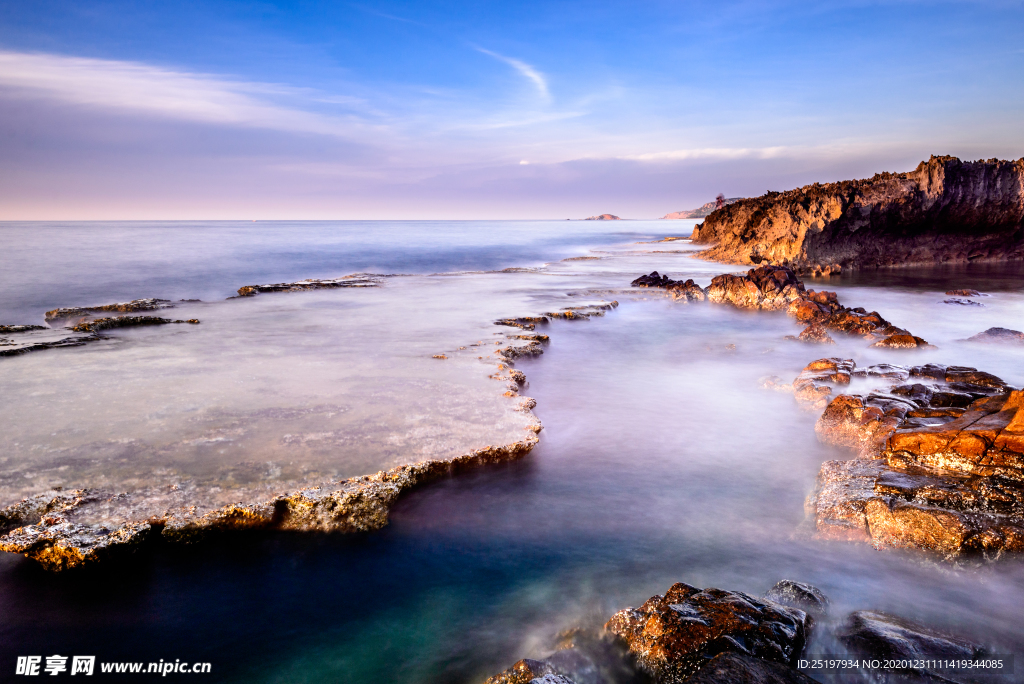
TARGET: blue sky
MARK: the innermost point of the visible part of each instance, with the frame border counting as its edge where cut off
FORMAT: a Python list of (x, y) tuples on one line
[(485, 109)]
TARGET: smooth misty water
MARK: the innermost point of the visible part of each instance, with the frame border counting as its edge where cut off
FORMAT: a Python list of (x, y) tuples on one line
[(660, 461)]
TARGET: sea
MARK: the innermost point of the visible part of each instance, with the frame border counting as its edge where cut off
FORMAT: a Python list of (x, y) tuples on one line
[(661, 458)]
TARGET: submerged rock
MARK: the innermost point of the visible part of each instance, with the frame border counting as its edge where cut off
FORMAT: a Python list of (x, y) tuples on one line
[(941, 468), (676, 635), (946, 210), (355, 280), (999, 335)]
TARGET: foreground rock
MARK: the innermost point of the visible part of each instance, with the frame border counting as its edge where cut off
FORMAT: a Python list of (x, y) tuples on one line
[(581, 657), (675, 635), (99, 324), (355, 280), (941, 464), (21, 339), (60, 532), (944, 211)]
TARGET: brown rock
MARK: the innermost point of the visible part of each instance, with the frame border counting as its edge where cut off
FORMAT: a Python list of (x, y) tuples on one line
[(901, 341), (816, 334), (675, 635), (963, 293)]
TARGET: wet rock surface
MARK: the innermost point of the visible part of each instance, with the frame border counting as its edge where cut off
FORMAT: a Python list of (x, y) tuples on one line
[(733, 668), (946, 210), (941, 464), (581, 657), (355, 280), (881, 636), (673, 636), (21, 339)]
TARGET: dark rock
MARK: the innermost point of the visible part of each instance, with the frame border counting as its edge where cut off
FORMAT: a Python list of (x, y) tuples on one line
[(800, 595), (29, 338), (524, 322), (19, 328), (880, 636), (946, 210), (733, 668), (120, 322), (999, 335), (655, 279), (675, 635), (962, 302)]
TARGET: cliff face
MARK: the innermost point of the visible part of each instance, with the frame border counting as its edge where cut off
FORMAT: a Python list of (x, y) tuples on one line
[(945, 210)]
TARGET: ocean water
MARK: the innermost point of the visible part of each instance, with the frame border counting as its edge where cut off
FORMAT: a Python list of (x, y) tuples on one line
[(660, 460)]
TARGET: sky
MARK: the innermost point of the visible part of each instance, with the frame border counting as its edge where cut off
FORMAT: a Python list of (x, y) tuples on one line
[(485, 110)]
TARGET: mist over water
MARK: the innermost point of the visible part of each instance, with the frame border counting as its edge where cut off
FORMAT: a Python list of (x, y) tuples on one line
[(661, 459)]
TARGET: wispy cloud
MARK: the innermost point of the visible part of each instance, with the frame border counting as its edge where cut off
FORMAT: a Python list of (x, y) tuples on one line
[(156, 91), (523, 68)]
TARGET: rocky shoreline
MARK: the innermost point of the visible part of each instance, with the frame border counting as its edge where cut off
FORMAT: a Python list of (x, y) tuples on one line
[(715, 636), (944, 211)]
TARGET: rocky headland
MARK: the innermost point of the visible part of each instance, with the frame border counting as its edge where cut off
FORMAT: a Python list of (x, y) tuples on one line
[(944, 211), (701, 211)]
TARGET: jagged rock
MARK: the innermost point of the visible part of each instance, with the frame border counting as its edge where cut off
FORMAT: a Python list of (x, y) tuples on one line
[(772, 288), (20, 328), (884, 637), (687, 291), (800, 595), (355, 280), (654, 279), (962, 302), (675, 635), (999, 335), (946, 210), (733, 668), (963, 293), (702, 211), (123, 307), (816, 334), (944, 468)]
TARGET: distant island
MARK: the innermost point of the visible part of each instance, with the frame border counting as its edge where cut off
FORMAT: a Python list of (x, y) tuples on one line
[(702, 210), (603, 217)]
